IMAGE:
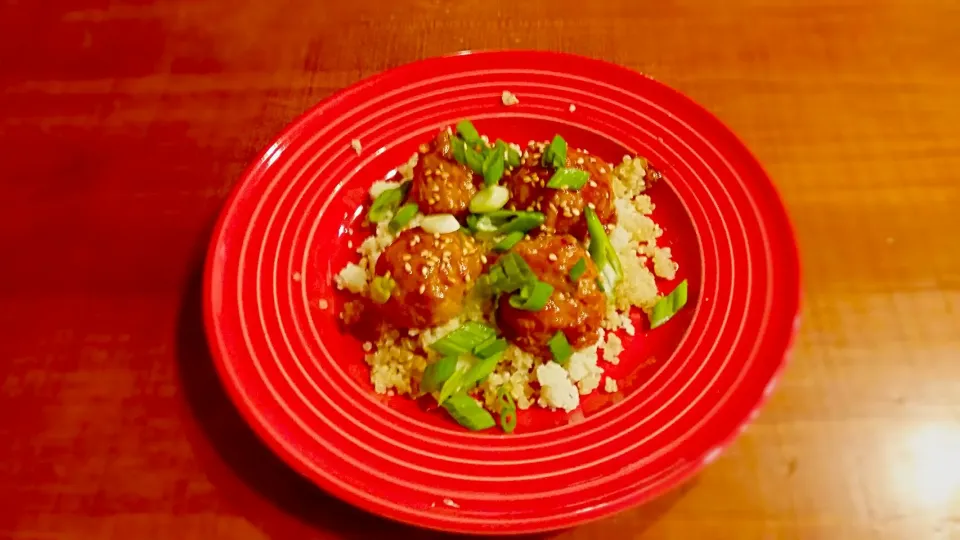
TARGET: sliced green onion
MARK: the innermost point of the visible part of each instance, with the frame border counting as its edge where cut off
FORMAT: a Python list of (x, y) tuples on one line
[(533, 296), (474, 159), (403, 216), (510, 154), (509, 241), (469, 133), (603, 253), (440, 224), (462, 340), (437, 373), (489, 199), (566, 178), (459, 150), (381, 288), (560, 348), (523, 222), (578, 269), (490, 347), (517, 270), (478, 223), (506, 408), (387, 203), (468, 413), (479, 371), (669, 305), (492, 168), (555, 155), (452, 385)]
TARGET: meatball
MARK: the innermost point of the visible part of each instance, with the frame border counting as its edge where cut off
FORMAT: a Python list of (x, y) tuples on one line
[(576, 308), (563, 208), (432, 273), (440, 184)]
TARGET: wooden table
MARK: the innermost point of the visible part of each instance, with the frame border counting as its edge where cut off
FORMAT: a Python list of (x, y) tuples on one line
[(124, 124)]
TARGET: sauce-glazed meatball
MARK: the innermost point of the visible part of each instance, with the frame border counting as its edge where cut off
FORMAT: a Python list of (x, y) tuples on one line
[(576, 308), (563, 209), (440, 184), (433, 274)]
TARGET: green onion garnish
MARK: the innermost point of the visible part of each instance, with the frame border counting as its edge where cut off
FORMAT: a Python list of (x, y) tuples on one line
[(492, 168), (603, 253), (489, 199), (566, 178), (555, 155), (463, 339), (479, 371), (381, 288), (490, 347), (403, 216), (469, 133), (468, 413), (578, 269), (533, 296), (560, 348), (474, 159), (512, 157), (510, 274), (522, 222), (459, 150), (509, 241), (437, 373), (506, 408), (387, 203), (452, 385), (669, 305)]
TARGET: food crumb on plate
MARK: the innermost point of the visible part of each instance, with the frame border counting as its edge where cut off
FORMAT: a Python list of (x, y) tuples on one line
[(450, 503), (573, 107), (610, 385), (296, 276), (355, 144), (323, 304), (509, 98)]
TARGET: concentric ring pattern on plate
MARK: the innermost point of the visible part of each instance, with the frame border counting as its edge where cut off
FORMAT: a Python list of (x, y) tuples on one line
[(279, 355)]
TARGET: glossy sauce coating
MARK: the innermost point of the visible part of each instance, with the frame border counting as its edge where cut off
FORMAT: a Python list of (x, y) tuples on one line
[(433, 274), (576, 308)]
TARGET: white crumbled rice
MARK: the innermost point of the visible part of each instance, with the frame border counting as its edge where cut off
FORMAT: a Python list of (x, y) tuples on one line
[(508, 98), (355, 144), (612, 348), (323, 304), (397, 360), (380, 186), (353, 278), (583, 369), (557, 391), (406, 170)]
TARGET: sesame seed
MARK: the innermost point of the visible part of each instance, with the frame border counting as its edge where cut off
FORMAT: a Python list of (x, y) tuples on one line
[(552, 256), (483, 259), (436, 236), (350, 244), (579, 161), (408, 268), (591, 205), (533, 251), (423, 287), (576, 212), (445, 175), (593, 184), (603, 170), (407, 256)]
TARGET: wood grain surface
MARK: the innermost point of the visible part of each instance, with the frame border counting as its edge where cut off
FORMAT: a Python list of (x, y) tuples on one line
[(124, 124)]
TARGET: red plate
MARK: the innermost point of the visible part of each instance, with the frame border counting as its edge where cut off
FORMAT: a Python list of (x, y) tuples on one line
[(686, 389)]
